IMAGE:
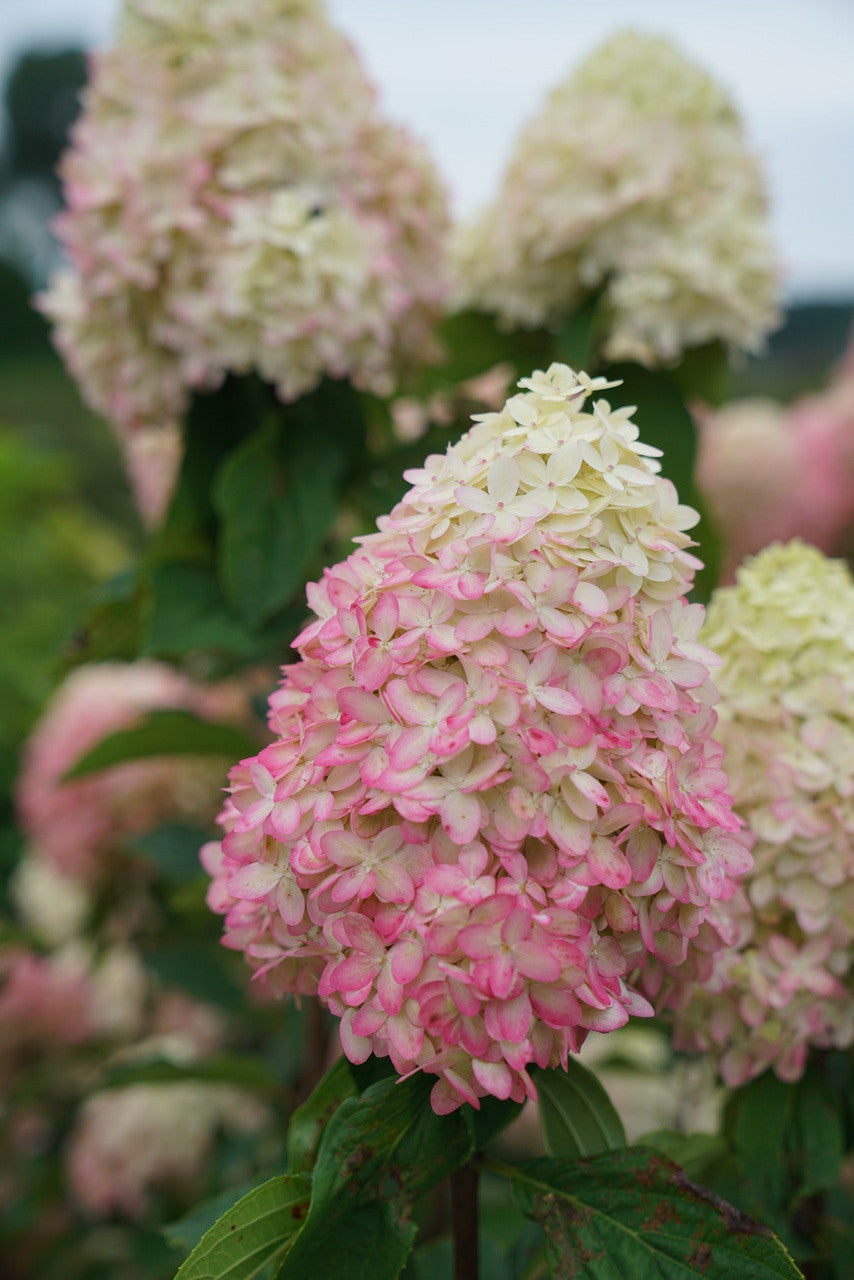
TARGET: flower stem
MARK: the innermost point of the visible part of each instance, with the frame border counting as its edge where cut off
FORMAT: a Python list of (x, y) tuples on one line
[(465, 1222)]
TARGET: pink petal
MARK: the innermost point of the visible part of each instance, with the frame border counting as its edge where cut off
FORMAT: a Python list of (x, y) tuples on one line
[(509, 1019), (253, 882), (460, 815), (495, 1077)]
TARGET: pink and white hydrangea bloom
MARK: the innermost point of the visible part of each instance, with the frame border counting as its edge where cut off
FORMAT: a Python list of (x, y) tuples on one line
[(784, 632), (493, 793), (634, 180), (74, 827), (236, 201)]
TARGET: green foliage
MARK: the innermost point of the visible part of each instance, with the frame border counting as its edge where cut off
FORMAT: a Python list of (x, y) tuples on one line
[(173, 849), (664, 421), (378, 1153), (277, 500), (59, 554), (577, 1118), (164, 733), (788, 1139), (631, 1213), (695, 1152), (42, 100), (255, 1233), (309, 1121), (237, 1069)]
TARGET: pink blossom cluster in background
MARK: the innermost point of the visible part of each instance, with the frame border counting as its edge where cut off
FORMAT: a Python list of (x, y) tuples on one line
[(77, 825), (493, 791), (77, 1007), (785, 632), (236, 202), (633, 181), (770, 472)]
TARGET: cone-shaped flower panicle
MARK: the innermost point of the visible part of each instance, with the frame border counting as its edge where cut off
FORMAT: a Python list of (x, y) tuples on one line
[(634, 179), (75, 826), (785, 633), (492, 791), (236, 201)]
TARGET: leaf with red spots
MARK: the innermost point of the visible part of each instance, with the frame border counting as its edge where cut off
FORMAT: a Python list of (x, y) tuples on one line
[(631, 1213)]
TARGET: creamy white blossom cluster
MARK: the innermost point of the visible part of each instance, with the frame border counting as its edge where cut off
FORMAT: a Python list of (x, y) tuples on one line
[(633, 180), (130, 1142), (237, 202), (785, 632)]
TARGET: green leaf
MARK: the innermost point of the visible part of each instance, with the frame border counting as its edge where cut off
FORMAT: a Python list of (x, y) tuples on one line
[(390, 1132), (632, 1214), (664, 421), (189, 613), (308, 1121), (165, 733), (255, 1232), (378, 1153), (277, 496), (575, 340), (789, 1139), (187, 1231), (474, 342), (577, 1118), (703, 373), (816, 1139), (490, 1119), (173, 849), (232, 1068), (353, 1242), (693, 1151), (763, 1116)]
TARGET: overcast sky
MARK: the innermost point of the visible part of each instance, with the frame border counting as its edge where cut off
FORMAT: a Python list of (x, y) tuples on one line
[(466, 73)]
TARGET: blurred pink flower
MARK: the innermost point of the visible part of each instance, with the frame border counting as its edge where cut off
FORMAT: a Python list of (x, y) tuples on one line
[(76, 825), (771, 472), (493, 791)]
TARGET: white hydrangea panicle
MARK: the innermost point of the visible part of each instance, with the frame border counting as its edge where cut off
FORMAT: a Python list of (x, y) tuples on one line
[(785, 632), (236, 201), (633, 180)]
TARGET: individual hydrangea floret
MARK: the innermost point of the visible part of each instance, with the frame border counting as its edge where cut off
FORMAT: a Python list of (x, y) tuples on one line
[(633, 180), (785, 633), (76, 826), (237, 202), (492, 790)]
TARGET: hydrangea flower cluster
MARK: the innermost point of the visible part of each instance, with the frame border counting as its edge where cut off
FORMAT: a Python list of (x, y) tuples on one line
[(131, 1142), (237, 202), (75, 826), (493, 789), (634, 179), (785, 632)]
